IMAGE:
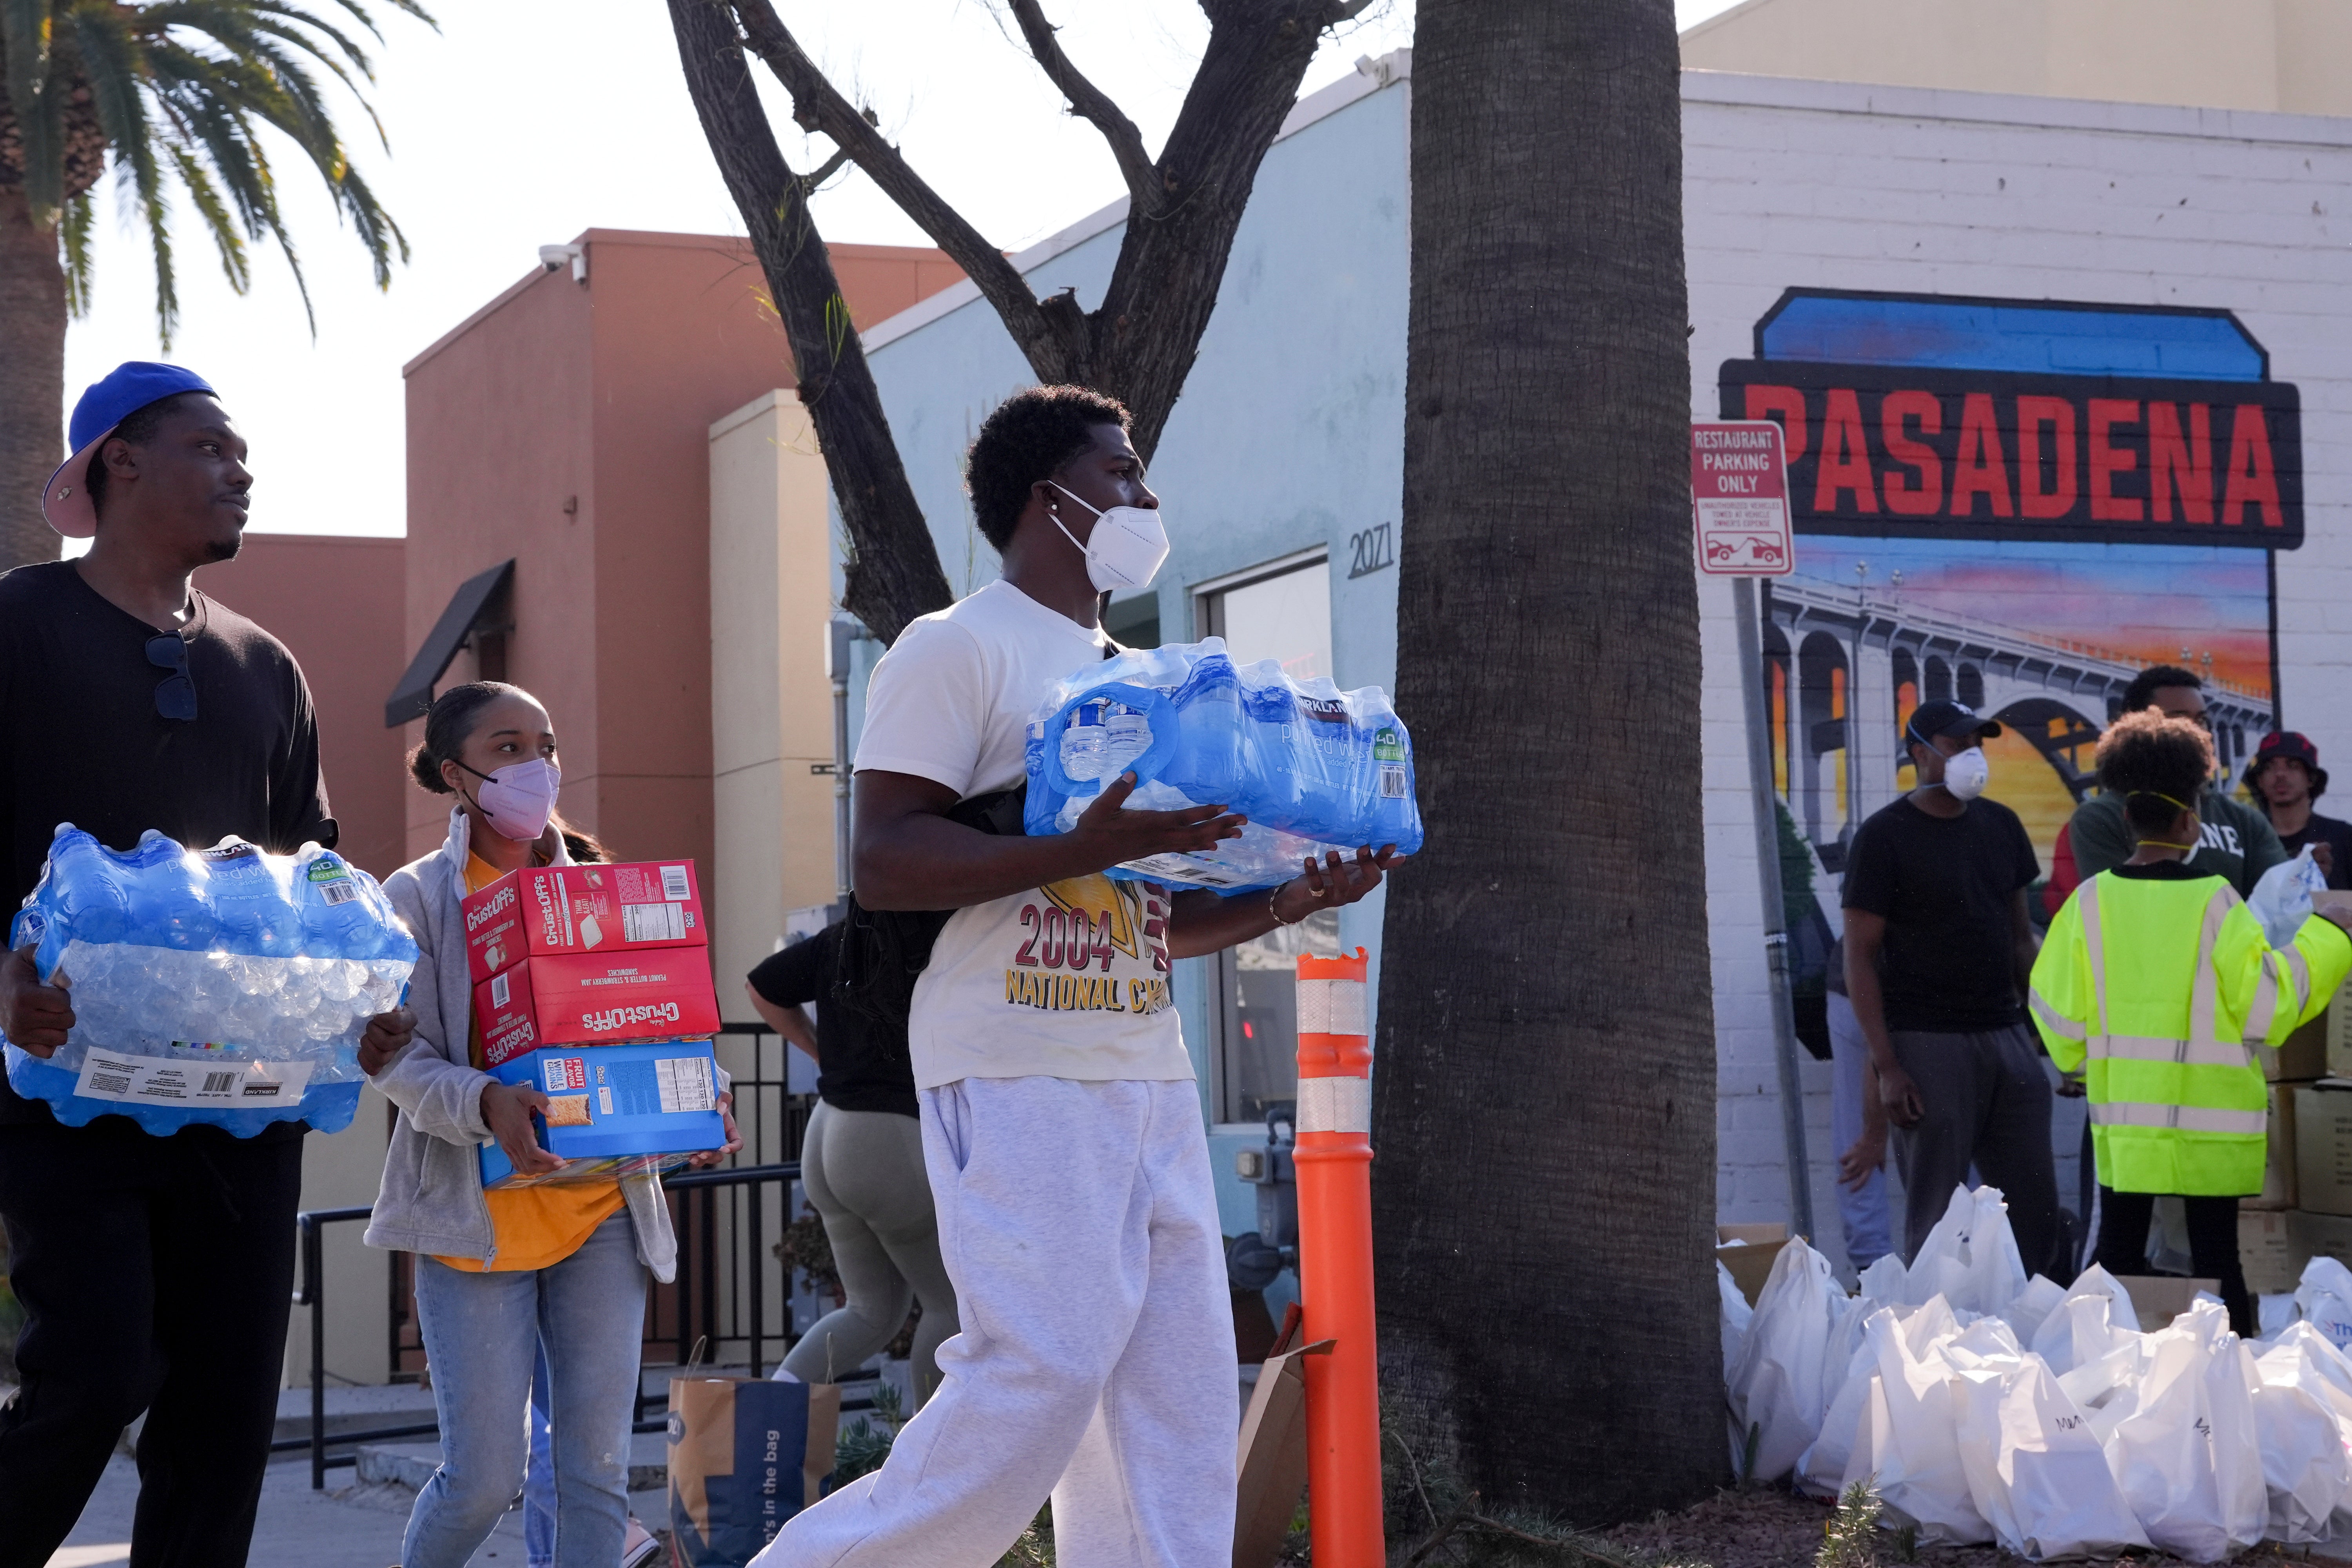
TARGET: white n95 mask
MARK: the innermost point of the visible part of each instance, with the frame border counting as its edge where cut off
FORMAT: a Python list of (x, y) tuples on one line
[(1966, 774), (1127, 548)]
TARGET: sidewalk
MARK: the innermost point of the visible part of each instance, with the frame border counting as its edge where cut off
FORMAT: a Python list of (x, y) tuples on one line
[(349, 1525)]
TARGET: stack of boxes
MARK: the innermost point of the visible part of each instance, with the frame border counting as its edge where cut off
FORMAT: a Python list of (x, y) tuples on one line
[(2304, 1209), (592, 983)]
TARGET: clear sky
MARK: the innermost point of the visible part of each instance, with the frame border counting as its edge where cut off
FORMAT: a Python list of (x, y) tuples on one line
[(520, 124)]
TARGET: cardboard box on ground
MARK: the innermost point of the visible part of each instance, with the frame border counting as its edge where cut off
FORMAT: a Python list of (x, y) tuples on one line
[(1748, 1251)]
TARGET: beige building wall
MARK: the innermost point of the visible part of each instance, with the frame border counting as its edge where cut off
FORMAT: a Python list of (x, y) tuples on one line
[(771, 702), (2282, 55)]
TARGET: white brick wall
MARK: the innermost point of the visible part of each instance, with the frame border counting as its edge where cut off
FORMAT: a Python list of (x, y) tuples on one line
[(1799, 183)]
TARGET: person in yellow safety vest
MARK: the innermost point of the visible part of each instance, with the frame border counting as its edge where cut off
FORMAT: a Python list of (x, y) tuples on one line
[(2156, 983)]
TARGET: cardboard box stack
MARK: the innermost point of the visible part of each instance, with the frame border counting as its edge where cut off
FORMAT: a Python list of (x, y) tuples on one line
[(2305, 1208), (592, 983)]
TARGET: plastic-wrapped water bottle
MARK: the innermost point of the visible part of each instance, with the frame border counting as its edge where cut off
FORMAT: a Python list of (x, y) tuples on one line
[(225, 987), (1312, 767)]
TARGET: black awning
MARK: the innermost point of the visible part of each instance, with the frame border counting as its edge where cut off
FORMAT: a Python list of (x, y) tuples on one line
[(478, 605)]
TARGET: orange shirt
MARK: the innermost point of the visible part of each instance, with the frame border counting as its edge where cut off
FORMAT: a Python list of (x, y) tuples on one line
[(534, 1227)]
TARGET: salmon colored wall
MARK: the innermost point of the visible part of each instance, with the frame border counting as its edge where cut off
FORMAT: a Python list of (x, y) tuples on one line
[(606, 392), (337, 603)]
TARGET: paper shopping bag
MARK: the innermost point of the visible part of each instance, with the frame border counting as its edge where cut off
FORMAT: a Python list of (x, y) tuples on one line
[(745, 1454)]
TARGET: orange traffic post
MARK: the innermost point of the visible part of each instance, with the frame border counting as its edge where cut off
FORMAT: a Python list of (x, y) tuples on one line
[(1334, 1155)]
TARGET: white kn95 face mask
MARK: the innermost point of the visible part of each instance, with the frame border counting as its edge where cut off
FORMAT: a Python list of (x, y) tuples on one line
[(1127, 548)]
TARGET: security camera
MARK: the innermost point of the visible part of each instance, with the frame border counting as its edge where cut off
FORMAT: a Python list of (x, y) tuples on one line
[(551, 258)]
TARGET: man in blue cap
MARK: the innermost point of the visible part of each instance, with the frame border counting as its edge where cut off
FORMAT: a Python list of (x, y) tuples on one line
[(155, 1272)]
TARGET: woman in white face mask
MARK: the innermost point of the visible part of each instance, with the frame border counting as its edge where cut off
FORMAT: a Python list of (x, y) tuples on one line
[(530, 1295)]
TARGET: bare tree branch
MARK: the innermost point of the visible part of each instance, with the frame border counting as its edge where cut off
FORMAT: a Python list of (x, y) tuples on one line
[(1346, 11), (1145, 189), (1054, 352), (893, 573), (823, 172)]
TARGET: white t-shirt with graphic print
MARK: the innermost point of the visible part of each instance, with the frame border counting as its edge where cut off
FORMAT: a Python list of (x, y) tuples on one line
[(1069, 981)]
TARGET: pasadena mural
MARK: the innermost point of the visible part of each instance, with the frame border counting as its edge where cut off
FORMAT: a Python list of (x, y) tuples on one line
[(2019, 504)]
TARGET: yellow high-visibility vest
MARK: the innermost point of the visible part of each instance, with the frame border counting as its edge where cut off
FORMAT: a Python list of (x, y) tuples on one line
[(2164, 988)]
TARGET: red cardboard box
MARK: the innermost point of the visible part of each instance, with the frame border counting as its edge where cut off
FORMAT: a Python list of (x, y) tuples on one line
[(547, 909), (594, 999)]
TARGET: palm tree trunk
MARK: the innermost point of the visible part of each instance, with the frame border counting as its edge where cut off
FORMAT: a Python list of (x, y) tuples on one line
[(1545, 1097), (32, 379)]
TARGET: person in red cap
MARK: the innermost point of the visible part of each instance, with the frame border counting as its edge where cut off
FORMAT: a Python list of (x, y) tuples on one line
[(155, 1272), (2285, 778)]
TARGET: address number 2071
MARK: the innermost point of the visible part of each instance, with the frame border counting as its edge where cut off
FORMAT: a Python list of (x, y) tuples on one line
[(1373, 550)]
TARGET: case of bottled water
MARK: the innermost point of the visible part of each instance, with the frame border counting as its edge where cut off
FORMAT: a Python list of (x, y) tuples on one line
[(1314, 768), (223, 986)]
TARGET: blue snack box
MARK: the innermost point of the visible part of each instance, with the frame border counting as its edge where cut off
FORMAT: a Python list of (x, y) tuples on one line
[(614, 1111)]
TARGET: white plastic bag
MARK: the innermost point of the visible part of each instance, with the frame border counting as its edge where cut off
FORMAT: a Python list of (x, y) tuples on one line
[(2035, 1470), (2325, 1299), (2281, 900), (2305, 1469), (2187, 1455), (1970, 1258), (2091, 1323), (2025, 1316), (1776, 1386), (1849, 1378), (1736, 1317), (1907, 1440)]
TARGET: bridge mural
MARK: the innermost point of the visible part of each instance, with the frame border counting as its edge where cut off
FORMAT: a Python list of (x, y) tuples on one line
[(2019, 505)]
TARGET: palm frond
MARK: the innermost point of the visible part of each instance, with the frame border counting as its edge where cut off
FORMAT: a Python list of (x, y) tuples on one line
[(191, 88), (26, 29), (74, 230), (217, 222)]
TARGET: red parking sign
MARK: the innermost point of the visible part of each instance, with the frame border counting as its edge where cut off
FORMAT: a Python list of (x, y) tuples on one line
[(1740, 498)]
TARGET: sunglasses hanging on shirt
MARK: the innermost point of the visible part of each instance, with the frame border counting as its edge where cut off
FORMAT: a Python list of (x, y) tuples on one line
[(175, 694)]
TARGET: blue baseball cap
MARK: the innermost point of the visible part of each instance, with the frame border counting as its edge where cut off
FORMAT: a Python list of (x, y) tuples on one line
[(129, 387)]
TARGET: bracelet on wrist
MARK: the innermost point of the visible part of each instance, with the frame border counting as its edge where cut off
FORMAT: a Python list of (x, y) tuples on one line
[(1278, 921)]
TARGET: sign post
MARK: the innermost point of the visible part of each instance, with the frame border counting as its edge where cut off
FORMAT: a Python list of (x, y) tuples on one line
[(1740, 507)]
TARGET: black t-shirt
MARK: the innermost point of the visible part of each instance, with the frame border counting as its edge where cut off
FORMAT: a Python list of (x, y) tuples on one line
[(2336, 834), (80, 741), (856, 1068), (1945, 887)]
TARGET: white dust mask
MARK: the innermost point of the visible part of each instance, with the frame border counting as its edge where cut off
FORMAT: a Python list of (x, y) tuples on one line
[(1127, 547), (1966, 774), (520, 797)]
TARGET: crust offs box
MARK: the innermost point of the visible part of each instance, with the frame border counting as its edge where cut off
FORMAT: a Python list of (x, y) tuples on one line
[(602, 908), (594, 1000), (614, 1111)]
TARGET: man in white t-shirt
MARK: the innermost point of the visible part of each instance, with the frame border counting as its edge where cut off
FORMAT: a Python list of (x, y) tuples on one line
[(1061, 1126)]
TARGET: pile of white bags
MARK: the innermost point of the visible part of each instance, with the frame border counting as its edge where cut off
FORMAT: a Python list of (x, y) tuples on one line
[(1986, 1406)]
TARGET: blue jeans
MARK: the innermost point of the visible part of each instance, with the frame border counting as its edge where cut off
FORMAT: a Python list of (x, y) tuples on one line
[(1864, 1212), (482, 1335), (538, 1480)]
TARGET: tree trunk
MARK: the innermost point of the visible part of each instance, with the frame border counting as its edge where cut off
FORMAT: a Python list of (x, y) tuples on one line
[(1545, 1098), (32, 379), (894, 568)]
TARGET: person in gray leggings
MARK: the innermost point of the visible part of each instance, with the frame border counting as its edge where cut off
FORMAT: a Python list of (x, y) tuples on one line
[(862, 1166)]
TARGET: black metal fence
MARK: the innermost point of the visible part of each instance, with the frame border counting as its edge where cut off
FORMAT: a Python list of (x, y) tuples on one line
[(732, 1293)]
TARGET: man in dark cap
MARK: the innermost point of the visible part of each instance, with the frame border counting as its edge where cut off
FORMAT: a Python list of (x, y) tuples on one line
[(155, 1272), (1939, 947), (2285, 778)]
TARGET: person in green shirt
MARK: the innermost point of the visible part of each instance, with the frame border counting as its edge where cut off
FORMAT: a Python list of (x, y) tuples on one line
[(2237, 843)]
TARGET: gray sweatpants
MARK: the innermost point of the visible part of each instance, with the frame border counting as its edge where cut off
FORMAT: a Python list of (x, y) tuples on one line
[(1095, 1365), (863, 1172), (1987, 1100)]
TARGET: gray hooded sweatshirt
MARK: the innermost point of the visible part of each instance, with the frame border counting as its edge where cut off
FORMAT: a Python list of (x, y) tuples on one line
[(431, 1200)]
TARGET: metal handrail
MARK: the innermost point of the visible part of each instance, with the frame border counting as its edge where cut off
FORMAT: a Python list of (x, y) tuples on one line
[(310, 1291)]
